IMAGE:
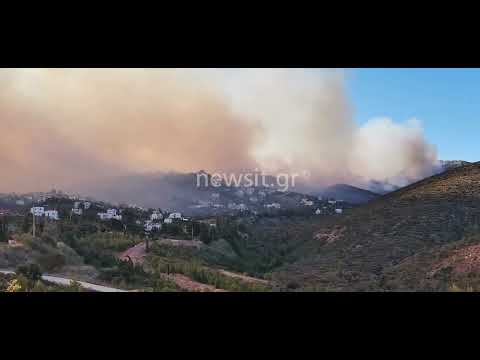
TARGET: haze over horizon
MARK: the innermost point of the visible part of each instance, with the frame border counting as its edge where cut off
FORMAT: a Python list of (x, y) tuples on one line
[(71, 127)]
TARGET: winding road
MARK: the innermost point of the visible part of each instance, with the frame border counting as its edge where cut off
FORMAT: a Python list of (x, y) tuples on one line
[(66, 282)]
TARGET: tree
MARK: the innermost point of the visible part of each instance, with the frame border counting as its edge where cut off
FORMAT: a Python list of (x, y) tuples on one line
[(205, 233), (3, 230), (30, 271)]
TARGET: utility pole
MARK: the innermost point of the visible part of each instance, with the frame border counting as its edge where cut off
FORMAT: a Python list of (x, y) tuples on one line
[(33, 224)]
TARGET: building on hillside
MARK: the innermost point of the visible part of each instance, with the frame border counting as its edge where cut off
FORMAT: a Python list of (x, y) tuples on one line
[(339, 211), (109, 215), (86, 205), (318, 212), (149, 226), (20, 202), (307, 202), (52, 214), (156, 216), (76, 205), (103, 216), (112, 212), (37, 210), (175, 215), (273, 206), (77, 211), (168, 220), (332, 202)]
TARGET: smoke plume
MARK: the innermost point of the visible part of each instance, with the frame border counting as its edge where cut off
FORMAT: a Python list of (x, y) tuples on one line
[(65, 127)]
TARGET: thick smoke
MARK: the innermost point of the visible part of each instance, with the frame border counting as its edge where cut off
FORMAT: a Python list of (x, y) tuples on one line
[(65, 127), (310, 129)]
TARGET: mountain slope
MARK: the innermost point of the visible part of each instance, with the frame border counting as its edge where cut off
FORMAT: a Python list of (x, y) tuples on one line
[(356, 251), (348, 193)]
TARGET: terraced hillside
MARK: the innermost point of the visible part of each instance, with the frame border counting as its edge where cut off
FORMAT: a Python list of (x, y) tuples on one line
[(366, 248)]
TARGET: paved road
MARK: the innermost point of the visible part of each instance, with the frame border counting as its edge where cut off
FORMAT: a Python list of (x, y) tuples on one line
[(65, 281)]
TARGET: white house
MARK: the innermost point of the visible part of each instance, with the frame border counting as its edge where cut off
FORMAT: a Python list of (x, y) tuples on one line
[(52, 214), (149, 226), (20, 202), (307, 202), (38, 210), (77, 211), (168, 220), (156, 216), (332, 202), (318, 212), (157, 227), (86, 205), (112, 212), (339, 211), (241, 207), (273, 205), (76, 204), (175, 215), (103, 216)]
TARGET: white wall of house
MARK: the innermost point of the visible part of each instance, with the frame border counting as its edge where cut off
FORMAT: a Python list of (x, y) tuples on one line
[(52, 214), (38, 210)]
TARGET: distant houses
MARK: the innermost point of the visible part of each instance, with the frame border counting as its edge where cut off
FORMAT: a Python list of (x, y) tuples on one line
[(40, 211), (306, 202), (52, 214), (150, 226), (175, 215), (273, 206), (76, 211), (156, 215), (240, 207), (110, 214), (37, 210)]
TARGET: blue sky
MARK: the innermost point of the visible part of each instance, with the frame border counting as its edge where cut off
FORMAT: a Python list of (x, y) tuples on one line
[(446, 101)]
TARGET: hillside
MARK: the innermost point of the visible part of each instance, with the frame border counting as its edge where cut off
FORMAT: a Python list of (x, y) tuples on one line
[(367, 248), (348, 193)]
